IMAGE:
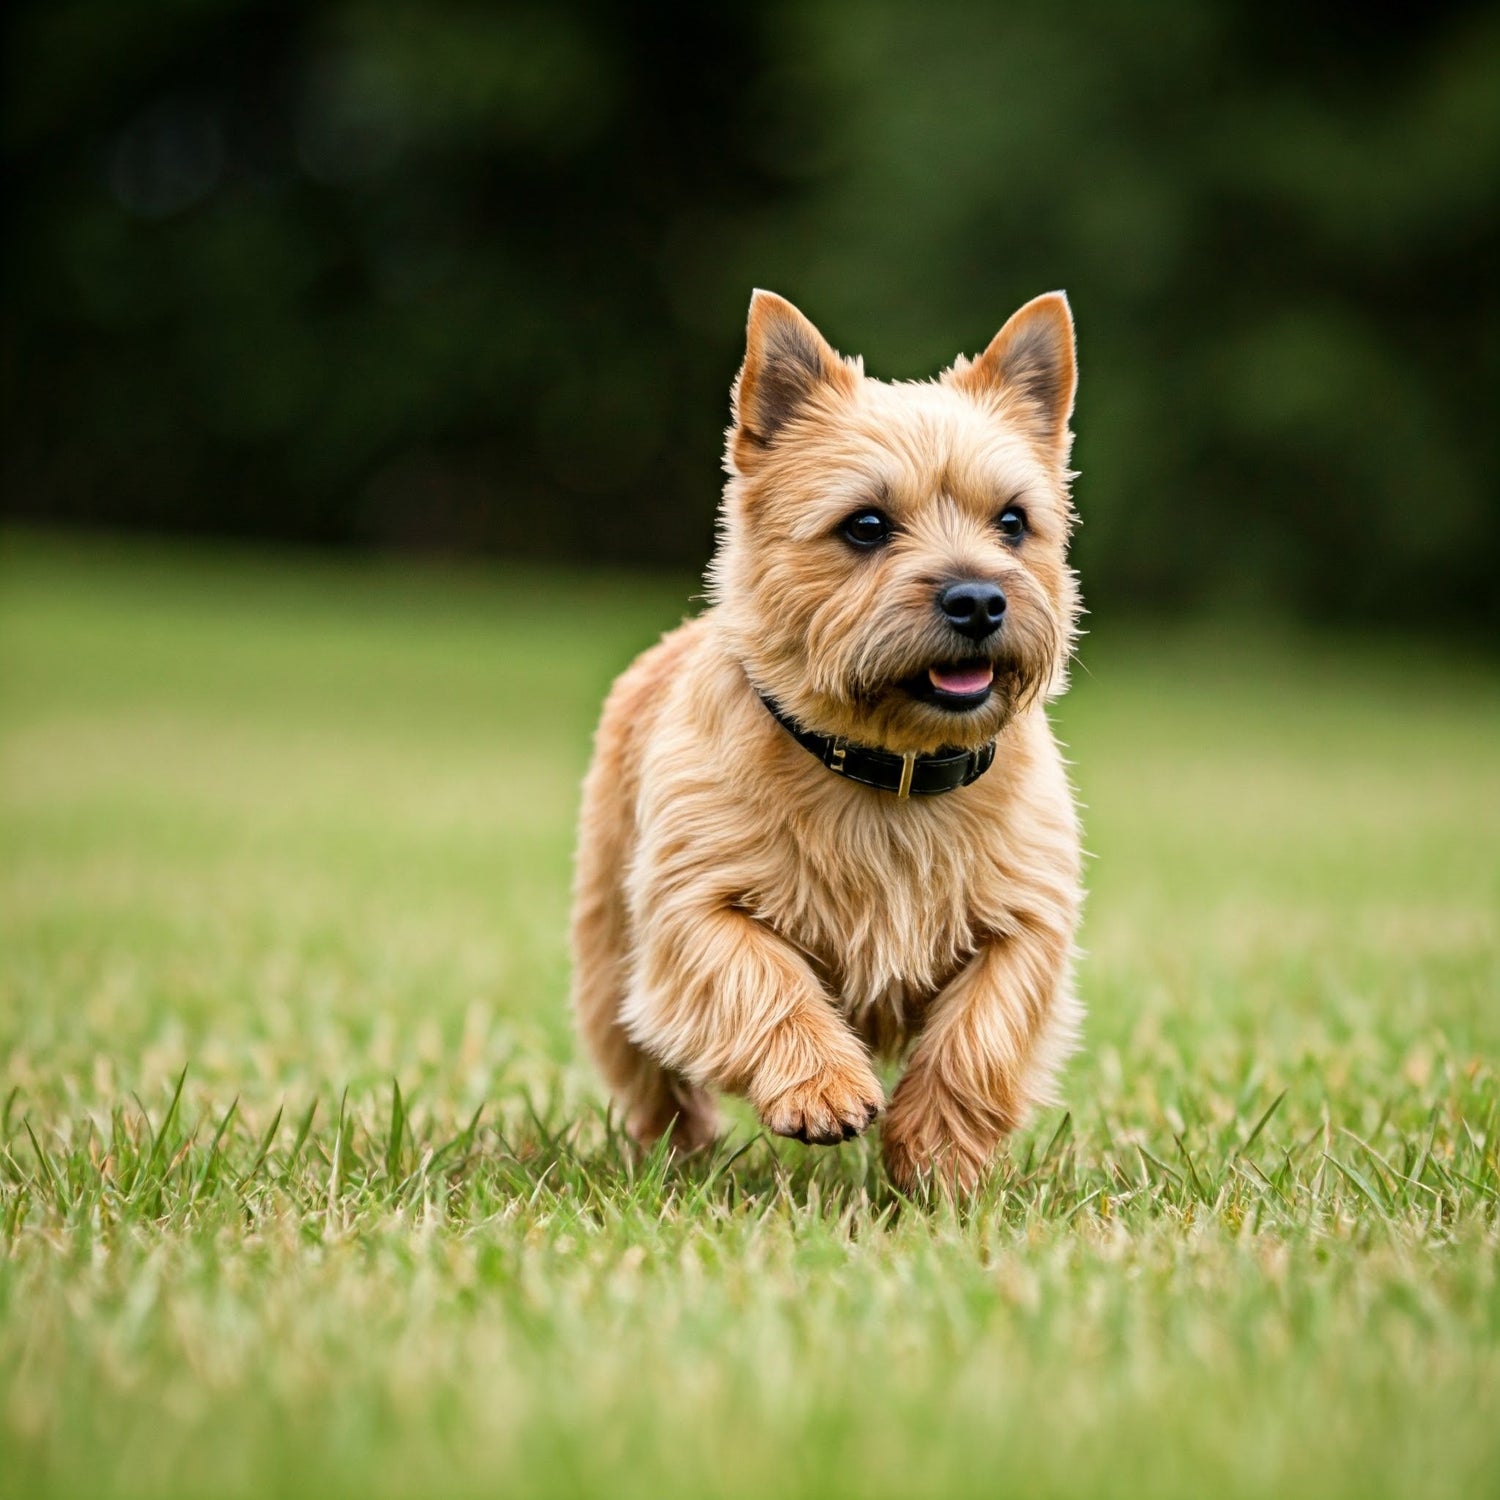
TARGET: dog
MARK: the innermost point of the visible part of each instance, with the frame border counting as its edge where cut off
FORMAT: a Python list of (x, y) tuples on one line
[(826, 822)]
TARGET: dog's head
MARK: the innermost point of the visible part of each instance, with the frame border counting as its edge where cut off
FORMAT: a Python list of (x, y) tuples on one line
[(892, 564)]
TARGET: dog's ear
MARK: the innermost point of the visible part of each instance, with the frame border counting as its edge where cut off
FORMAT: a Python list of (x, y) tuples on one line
[(1032, 357), (788, 364)]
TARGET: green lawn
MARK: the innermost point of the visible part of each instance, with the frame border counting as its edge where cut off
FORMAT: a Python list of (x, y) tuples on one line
[(302, 829)]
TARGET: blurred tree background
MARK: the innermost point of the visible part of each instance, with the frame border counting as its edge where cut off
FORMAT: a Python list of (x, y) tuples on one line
[(473, 276)]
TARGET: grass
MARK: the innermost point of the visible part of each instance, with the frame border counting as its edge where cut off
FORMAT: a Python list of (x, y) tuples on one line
[(303, 1192)]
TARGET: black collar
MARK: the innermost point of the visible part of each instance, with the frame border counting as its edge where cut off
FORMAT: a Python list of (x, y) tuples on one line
[(905, 775)]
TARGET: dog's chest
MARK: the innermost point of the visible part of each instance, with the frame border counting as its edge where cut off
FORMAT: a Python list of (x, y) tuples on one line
[(883, 907)]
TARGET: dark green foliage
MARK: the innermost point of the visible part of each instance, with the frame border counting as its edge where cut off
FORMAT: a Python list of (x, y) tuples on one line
[(474, 276)]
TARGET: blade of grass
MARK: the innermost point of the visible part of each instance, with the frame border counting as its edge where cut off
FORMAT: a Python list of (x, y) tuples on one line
[(395, 1140), (1260, 1124), (43, 1163), (159, 1137), (303, 1131), (1361, 1184), (213, 1150)]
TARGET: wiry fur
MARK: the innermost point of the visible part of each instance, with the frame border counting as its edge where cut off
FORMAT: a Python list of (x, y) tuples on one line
[(745, 919)]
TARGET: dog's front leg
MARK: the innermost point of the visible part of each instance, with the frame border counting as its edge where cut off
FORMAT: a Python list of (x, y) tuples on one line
[(990, 1040), (722, 999)]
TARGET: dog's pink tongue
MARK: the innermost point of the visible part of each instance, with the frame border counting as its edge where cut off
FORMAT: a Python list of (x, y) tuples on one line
[(964, 680)]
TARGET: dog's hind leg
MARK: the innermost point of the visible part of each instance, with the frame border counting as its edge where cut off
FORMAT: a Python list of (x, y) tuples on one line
[(654, 1099)]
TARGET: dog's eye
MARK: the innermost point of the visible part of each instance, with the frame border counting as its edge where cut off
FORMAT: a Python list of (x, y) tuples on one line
[(1011, 523), (867, 528)]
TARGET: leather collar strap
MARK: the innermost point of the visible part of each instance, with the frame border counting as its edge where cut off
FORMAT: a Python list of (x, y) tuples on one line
[(906, 775)]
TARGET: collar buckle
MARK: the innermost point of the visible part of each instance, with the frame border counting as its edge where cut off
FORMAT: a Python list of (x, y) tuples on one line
[(908, 765)]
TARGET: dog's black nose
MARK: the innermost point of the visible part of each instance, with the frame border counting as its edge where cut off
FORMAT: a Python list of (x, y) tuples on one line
[(973, 608)]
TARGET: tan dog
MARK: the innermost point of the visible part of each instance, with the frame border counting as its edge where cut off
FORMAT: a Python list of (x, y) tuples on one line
[(828, 818)]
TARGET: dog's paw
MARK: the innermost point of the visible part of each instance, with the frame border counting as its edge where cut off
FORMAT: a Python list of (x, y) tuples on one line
[(834, 1105), (914, 1166), (929, 1142)]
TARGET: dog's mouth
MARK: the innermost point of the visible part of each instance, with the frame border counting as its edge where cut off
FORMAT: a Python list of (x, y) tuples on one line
[(957, 686)]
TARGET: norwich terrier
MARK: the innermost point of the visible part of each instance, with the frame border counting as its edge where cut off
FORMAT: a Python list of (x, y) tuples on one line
[(827, 821)]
